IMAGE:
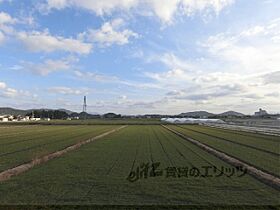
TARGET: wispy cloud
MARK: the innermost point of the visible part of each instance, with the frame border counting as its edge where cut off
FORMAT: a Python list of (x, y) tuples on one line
[(37, 41), (48, 66), (164, 10), (68, 90), (8, 92), (110, 33)]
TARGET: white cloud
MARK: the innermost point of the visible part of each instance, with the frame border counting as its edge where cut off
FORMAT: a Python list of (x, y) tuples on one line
[(237, 68), (99, 7), (2, 37), (110, 33), (10, 93), (252, 50), (98, 77), (3, 85), (5, 18), (44, 42), (5, 23), (165, 10), (49, 66), (7, 92), (192, 6), (94, 76), (172, 61), (37, 41), (123, 97), (271, 78), (68, 91), (253, 31), (57, 4), (174, 75)]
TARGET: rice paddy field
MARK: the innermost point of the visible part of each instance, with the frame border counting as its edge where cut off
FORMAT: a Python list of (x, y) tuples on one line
[(137, 165)]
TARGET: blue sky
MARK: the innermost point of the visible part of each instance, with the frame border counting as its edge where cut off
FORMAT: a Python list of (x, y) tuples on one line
[(140, 56)]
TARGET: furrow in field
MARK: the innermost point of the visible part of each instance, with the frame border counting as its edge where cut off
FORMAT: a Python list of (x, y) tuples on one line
[(130, 153), (53, 140), (6, 175), (32, 135), (163, 148), (26, 132), (235, 141), (115, 158), (262, 137), (261, 160), (101, 158), (272, 132), (196, 157), (173, 142), (79, 177), (270, 143), (119, 148), (262, 176), (20, 154)]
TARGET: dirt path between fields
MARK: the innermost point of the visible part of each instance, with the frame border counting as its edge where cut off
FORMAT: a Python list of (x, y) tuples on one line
[(262, 176), (7, 174)]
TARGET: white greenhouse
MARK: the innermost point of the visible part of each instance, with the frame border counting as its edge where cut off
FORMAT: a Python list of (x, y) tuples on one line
[(191, 120)]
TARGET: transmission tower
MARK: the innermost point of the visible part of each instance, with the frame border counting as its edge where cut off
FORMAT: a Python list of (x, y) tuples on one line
[(85, 104)]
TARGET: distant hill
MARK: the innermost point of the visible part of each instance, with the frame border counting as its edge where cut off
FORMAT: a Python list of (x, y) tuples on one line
[(231, 113), (84, 115), (196, 114), (66, 110), (201, 114), (11, 111)]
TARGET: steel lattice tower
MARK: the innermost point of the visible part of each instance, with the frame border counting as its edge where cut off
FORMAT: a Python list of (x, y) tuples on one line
[(85, 104)]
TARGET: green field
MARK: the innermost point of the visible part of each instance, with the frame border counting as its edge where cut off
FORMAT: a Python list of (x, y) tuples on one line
[(262, 152), (97, 173), (99, 121), (21, 144)]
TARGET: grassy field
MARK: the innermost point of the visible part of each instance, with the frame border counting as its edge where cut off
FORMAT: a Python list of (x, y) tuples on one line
[(103, 121), (258, 150), (21, 144), (97, 173)]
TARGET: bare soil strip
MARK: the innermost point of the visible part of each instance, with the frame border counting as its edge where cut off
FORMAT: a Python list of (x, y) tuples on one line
[(256, 173), (7, 174)]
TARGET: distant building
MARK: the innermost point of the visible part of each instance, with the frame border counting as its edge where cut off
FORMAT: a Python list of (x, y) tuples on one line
[(35, 118), (11, 118), (4, 119), (261, 112)]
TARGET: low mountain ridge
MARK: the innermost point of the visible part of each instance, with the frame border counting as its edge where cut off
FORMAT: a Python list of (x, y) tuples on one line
[(231, 113), (197, 114)]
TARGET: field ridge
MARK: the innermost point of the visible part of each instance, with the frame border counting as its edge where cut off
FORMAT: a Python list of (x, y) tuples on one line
[(7, 174), (262, 176)]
